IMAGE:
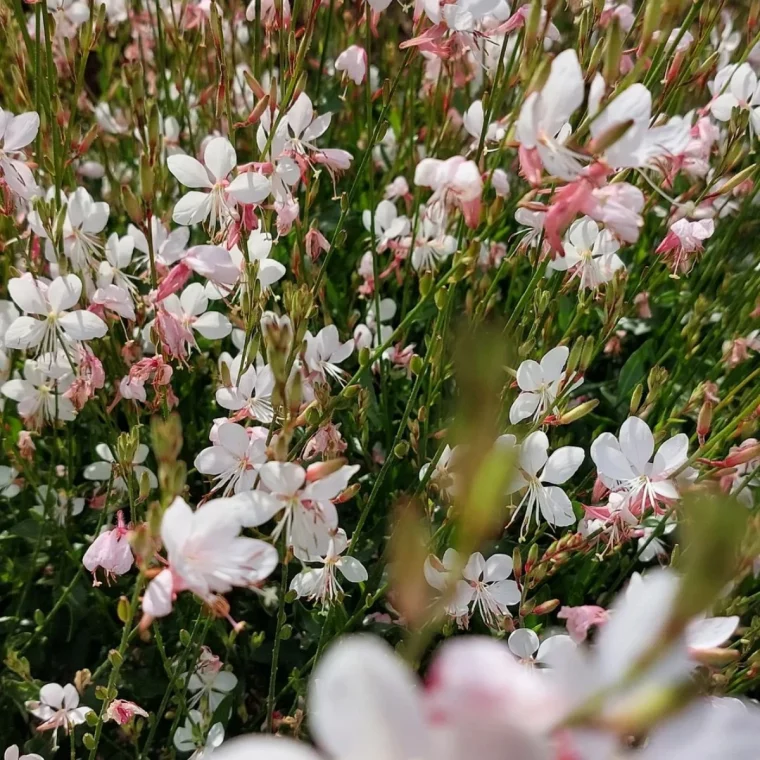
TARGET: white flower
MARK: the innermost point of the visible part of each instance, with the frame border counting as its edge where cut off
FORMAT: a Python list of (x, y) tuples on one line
[(101, 471), (365, 702), (58, 707), (473, 120), (534, 221), (443, 476), (626, 465), (251, 394), (168, 247), (388, 224), (190, 309), (353, 60), (59, 504), (640, 144), (112, 271), (710, 632), (544, 114), (16, 132), (591, 252), (220, 159), (480, 584), (85, 220), (8, 313), (206, 555), (116, 299), (211, 683), (40, 395), (8, 488), (12, 753), (432, 245), (69, 15), (304, 126), (489, 588), (53, 302), (736, 87), (650, 544), (524, 644), (269, 271), (324, 352), (321, 584), (234, 458), (550, 500), (540, 385), (189, 738), (309, 516)]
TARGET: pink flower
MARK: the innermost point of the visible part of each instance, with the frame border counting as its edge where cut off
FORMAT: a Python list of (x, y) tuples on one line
[(580, 619), (110, 551), (316, 242), (353, 61), (122, 711), (91, 377), (455, 182), (683, 239), (327, 441), (26, 445)]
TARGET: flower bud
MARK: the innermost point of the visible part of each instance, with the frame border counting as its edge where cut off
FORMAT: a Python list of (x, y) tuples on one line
[(517, 566), (320, 470), (636, 396), (716, 657), (132, 206), (546, 607), (122, 609), (587, 355)]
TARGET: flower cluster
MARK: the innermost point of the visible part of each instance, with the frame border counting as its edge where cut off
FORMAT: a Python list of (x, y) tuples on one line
[(437, 322)]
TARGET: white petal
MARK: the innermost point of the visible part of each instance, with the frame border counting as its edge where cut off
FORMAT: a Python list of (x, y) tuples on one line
[(534, 452), (365, 703), (64, 292), (250, 187), (553, 363), (282, 477), (563, 464), (25, 332), (83, 325), (300, 114), (220, 157), (608, 458), (637, 442), (27, 295), (352, 569), (672, 454), (722, 106), (262, 747), (529, 375), (213, 325), (192, 208), (707, 633), (498, 568), (214, 460), (523, 643), (157, 601), (556, 507), (524, 406), (189, 171), (21, 131)]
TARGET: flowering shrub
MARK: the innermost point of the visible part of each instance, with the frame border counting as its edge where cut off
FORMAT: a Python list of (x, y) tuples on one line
[(437, 323)]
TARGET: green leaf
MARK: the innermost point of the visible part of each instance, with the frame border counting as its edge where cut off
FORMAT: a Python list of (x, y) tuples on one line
[(634, 371)]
